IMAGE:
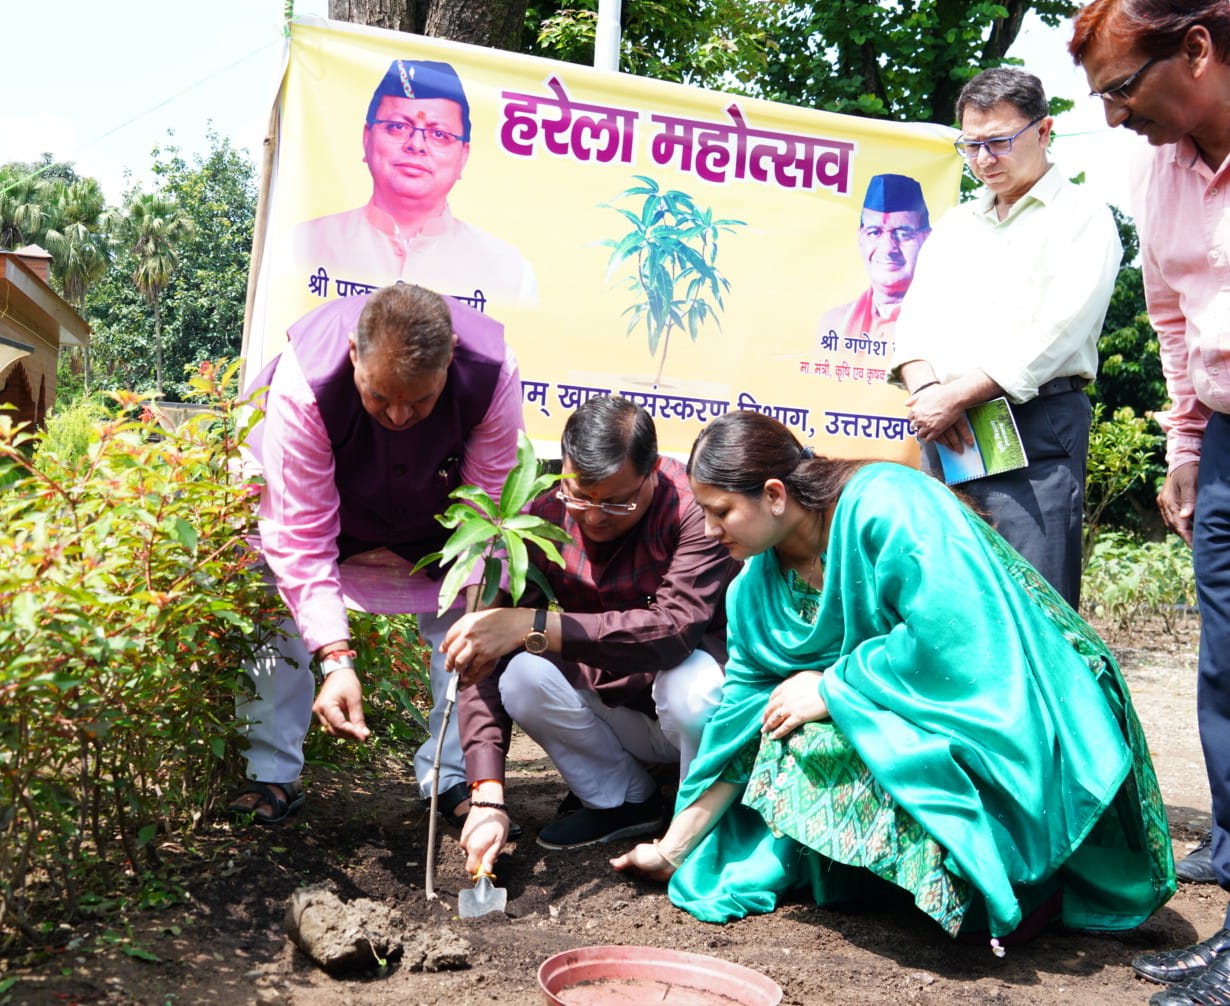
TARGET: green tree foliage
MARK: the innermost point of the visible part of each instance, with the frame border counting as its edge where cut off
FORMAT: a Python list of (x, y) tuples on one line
[(904, 61), (203, 303), (1130, 388), (77, 235), (48, 169), (205, 300), (711, 43), (46, 203), (1130, 367), (155, 227), (23, 196)]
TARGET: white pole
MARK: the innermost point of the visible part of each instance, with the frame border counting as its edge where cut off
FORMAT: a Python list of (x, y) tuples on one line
[(606, 37)]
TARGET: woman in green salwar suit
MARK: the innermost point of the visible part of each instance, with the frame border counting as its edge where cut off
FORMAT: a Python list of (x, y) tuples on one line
[(906, 700)]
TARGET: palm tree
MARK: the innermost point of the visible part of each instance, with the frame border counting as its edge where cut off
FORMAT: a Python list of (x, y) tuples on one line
[(156, 227), (78, 238), (22, 197)]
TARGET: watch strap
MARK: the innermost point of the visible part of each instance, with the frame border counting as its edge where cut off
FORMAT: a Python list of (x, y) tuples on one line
[(335, 662)]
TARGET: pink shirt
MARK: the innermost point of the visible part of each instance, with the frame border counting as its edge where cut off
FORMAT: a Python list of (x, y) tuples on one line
[(299, 521), (1184, 221)]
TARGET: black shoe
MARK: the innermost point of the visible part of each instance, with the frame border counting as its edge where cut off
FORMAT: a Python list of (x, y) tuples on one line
[(1171, 967), (1197, 866), (588, 826), (569, 805), (1209, 988)]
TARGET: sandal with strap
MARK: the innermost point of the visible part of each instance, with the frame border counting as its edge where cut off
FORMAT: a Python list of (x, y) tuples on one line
[(284, 805), (1172, 967), (1209, 988)]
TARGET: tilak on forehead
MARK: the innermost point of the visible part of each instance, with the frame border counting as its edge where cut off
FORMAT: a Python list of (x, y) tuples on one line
[(421, 79)]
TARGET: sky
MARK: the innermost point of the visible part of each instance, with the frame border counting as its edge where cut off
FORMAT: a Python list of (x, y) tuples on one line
[(121, 74), (102, 83)]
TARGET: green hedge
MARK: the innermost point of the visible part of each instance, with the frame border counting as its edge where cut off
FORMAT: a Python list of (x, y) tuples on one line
[(128, 598)]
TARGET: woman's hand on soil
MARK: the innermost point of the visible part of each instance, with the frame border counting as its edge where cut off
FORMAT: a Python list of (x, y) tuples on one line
[(647, 861)]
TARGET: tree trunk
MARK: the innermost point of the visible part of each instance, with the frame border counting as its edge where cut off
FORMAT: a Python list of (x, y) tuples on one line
[(493, 23), (397, 15), (158, 345), (1003, 33), (1005, 30)]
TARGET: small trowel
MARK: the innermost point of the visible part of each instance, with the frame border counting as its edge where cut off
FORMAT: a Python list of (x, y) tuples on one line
[(483, 898)]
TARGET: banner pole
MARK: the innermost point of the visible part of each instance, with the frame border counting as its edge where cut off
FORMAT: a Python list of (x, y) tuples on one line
[(606, 36)]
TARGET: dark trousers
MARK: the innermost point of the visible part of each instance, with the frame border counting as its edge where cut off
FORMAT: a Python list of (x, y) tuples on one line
[(1040, 509), (1211, 554)]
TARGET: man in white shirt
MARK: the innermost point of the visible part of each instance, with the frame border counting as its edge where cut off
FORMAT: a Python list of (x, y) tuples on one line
[(1008, 299), (416, 142)]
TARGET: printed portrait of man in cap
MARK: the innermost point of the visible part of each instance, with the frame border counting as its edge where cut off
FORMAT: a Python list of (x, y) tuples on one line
[(892, 228), (416, 143)]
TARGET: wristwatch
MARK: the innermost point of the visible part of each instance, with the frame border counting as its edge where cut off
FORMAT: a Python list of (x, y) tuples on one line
[(536, 639)]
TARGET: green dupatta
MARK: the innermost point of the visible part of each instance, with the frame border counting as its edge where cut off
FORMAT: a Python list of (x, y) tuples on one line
[(977, 699)]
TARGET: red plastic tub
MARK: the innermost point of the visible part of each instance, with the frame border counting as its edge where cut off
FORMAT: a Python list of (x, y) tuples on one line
[(633, 976)]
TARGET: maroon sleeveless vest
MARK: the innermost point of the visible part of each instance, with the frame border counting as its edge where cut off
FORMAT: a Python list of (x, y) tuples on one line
[(393, 483)]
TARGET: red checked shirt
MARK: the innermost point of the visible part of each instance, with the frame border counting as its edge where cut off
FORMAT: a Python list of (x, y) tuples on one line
[(631, 608)]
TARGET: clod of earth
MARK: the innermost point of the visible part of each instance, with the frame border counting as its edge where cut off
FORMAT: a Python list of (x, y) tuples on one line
[(364, 935)]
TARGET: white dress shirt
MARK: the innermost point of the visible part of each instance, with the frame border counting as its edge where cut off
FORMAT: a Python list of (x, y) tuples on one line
[(1021, 299)]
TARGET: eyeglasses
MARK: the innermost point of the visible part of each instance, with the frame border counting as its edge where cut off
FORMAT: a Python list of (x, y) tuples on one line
[(1123, 91), (611, 509), (899, 235), (403, 132), (996, 146)]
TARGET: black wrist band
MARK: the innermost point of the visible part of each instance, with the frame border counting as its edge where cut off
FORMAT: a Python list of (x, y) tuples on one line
[(489, 805), (921, 387)]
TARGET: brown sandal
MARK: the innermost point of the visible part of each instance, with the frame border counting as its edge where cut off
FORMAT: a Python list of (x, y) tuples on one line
[(284, 805)]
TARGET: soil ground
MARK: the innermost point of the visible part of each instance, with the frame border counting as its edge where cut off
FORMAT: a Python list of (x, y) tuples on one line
[(228, 944)]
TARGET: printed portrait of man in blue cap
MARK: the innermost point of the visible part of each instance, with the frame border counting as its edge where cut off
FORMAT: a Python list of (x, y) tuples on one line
[(892, 228), (416, 143)]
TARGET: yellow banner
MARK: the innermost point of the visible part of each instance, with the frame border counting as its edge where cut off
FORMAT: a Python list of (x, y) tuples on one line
[(694, 251)]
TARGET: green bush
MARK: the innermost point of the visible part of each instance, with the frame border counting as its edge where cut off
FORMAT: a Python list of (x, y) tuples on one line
[(68, 433), (395, 666), (1126, 578), (128, 598), (1125, 469)]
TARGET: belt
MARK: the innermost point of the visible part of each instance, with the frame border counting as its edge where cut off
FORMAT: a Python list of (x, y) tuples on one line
[(1061, 385)]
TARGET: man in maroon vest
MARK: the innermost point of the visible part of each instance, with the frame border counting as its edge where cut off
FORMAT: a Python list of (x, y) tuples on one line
[(380, 406)]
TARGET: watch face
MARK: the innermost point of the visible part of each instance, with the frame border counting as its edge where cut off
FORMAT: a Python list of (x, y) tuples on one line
[(536, 642)]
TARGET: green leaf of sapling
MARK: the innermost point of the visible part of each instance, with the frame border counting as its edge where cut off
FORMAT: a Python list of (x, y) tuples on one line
[(518, 560)]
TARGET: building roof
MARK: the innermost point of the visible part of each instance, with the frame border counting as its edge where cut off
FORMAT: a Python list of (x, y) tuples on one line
[(29, 304)]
